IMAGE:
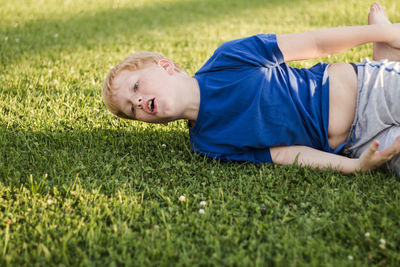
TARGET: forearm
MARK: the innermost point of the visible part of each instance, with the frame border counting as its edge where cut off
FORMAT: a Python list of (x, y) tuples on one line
[(324, 42), (306, 156), (335, 40)]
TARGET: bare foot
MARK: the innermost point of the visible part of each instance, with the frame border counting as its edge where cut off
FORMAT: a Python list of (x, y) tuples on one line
[(377, 15)]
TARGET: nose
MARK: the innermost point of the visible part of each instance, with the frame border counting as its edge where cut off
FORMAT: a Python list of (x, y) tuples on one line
[(137, 101)]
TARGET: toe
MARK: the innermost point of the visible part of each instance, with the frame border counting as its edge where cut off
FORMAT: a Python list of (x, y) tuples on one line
[(379, 6), (373, 8)]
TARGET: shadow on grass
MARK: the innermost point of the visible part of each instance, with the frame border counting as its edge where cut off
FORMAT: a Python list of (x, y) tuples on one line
[(109, 158), (106, 27), (137, 160)]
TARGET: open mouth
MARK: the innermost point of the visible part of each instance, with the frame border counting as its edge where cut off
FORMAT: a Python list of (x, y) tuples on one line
[(151, 105)]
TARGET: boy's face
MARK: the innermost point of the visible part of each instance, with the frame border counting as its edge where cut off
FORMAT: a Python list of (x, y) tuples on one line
[(147, 94)]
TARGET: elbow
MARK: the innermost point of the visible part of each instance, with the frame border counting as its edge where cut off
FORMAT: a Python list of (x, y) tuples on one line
[(285, 155)]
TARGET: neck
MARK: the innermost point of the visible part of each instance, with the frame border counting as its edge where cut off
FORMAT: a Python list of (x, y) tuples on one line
[(191, 97)]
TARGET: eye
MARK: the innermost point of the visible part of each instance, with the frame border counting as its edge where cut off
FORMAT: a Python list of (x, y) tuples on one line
[(136, 86)]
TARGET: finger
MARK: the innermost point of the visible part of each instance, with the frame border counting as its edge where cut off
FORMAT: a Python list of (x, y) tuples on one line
[(374, 146), (396, 144), (393, 149)]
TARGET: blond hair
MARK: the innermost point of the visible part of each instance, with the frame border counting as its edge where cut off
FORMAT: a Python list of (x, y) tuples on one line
[(135, 62)]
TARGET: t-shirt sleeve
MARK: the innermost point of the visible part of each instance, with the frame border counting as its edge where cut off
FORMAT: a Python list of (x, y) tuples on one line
[(258, 51)]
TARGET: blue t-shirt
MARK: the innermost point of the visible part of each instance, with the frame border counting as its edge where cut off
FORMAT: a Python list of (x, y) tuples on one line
[(251, 101)]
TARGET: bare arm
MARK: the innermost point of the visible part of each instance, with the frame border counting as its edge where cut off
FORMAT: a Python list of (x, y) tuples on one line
[(306, 156), (299, 46)]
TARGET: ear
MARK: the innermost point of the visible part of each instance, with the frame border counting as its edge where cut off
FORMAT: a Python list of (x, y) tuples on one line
[(167, 65)]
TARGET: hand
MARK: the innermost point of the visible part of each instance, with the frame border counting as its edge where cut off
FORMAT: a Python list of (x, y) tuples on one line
[(372, 158)]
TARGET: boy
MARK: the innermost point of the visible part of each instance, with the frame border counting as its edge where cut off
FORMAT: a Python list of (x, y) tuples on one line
[(246, 104)]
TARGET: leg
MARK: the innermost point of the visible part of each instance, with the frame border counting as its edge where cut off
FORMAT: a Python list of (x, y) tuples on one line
[(377, 15)]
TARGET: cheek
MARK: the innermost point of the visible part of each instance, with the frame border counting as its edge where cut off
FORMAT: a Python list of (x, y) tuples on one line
[(167, 107), (143, 84), (152, 87)]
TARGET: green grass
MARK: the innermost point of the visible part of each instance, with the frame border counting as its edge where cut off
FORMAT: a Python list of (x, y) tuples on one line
[(80, 187)]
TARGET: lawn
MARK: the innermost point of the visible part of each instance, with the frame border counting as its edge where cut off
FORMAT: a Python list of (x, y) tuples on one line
[(79, 187)]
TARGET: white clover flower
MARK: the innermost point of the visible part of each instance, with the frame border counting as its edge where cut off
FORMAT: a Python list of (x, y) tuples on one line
[(350, 257), (56, 81), (203, 203), (201, 211), (263, 207), (367, 234), (31, 86), (163, 145), (6, 38), (382, 244), (182, 198), (56, 35)]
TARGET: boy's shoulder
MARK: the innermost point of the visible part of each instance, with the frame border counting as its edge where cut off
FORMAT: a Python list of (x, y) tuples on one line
[(259, 50), (248, 42)]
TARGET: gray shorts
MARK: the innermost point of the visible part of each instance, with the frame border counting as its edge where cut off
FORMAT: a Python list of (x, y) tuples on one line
[(378, 110)]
